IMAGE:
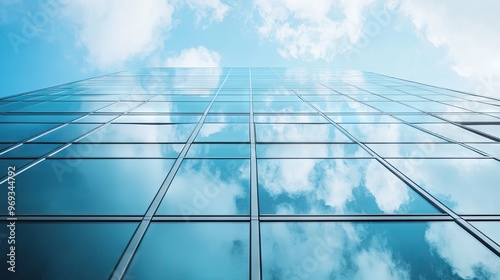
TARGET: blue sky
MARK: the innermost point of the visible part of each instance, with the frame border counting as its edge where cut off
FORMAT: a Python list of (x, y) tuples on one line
[(447, 43)]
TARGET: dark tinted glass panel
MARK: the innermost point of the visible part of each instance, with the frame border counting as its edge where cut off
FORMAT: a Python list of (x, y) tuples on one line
[(80, 150), (19, 132), (97, 187), (64, 107), (66, 250), (16, 163), (193, 251), (209, 187), (350, 186), (38, 118), (29, 151), (418, 250)]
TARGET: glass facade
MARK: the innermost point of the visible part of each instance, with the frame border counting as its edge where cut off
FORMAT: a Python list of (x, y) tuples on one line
[(249, 173)]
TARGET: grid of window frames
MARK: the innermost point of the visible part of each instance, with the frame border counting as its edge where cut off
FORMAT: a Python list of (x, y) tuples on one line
[(251, 173)]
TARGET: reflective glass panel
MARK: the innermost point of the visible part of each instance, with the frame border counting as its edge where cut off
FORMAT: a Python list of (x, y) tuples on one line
[(493, 130), (467, 186), (454, 132), (299, 133), (29, 151), (223, 132), (64, 107), (379, 250), (209, 187), (91, 187), (97, 150), (21, 131), (389, 133), (219, 151), (129, 118), (419, 150), (350, 186), (66, 133), (193, 251), (38, 118), (69, 250), (141, 133), (490, 229), (230, 107), (309, 150)]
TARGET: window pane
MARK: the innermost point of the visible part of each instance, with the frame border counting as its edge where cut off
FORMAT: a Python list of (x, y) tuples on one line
[(310, 150), (454, 132), (381, 250), (299, 133), (443, 150), (30, 151), (129, 118), (92, 187), (80, 150), (67, 250), (389, 133), (223, 132), (65, 107), (38, 118), (230, 107), (21, 131), (67, 133), (141, 133), (213, 118), (209, 187), (260, 118), (167, 107), (193, 251), (351, 186), (467, 186), (219, 151), (281, 107)]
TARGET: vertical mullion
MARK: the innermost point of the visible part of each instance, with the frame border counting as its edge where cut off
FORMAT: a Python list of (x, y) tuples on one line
[(255, 262)]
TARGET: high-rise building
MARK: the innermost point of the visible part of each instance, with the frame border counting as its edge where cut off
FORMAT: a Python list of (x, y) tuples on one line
[(249, 173)]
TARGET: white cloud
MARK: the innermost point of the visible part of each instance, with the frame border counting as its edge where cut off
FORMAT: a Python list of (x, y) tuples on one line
[(444, 237), (378, 264), (312, 31), (389, 192), (195, 57), (467, 30), (116, 31), (214, 10)]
